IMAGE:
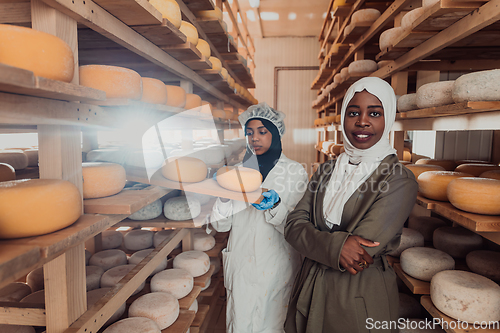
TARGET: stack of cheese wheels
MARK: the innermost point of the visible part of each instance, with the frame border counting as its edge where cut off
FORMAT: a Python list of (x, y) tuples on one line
[(418, 169), (14, 292), (134, 325), (196, 263), (149, 212), (102, 179), (138, 256), (362, 66), (344, 73), (409, 307), (181, 208), (456, 241), (434, 184), (475, 195), (407, 102), (7, 328), (215, 14), (44, 54), (34, 279), (15, 158), (111, 277), (32, 207), (493, 174), (424, 262), (410, 17), (239, 179), (485, 263), (161, 235), (136, 240), (190, 31), (177, 282), (202, 241), (478, 86), (111, 239), (388, 36), (466, 296), (409, 238), (216, 64), (425, 225), (184, 169), (161, 307), (7, 172), (176, 96), (154, 91), (448, 165), (169, 10), (93, 276), (204, 48), (95, 295), (435, 94), (192, 101), (108, 259), (476, 169), (117, 82)]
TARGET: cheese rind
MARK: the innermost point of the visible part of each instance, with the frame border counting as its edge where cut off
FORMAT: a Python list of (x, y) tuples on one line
[(388, 36), (477, 86), (203, 242), (117, 82), (476, 169), (14, 292), (425, 225), (93, 277), (239, 179), (161, 235), (196, 263), (161, 307), (448, 165), (177, 282), (154, 91), (138, 256), (111, 239), (407, 102), (192, 101), (134, 325), (102, 179), (423, 262), (216, 13), (190, 31), (485, 263), (108, 259), (181, 208), (136, 240), (410, 17), (204, 48), (95, 295), (435, 94), (409, 238), (493, 174), (365, 15), (216, 63), (362, 66), (176, 96), (149, 212), (418, 169), (111, 277), (434, 184), (456, 241), (169, 10), (184, 169), (475, 195)]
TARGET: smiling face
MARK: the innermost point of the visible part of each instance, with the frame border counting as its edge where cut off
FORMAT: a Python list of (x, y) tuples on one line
[(364, 120), (259, 137)]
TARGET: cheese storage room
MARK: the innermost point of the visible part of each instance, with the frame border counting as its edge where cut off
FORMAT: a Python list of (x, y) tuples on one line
[(249, 166)]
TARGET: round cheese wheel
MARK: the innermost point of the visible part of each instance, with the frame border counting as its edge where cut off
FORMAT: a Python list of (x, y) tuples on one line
[(362, 66), (181, 208), (184, 169), (93, 277), (7, 172), (108, 259), (32, 207), (407, 102), (485, 263), (409, 238), (138, 256), (192, 101), (34, 279), (39, 52), (32, 157), (409, 307), (177, 282), (135, 240), (203, 242), (15, 158), (365, 15), (154, 91), (113, 275), (161, 235), (102, 179), (476, 169), (176, 96), (239, 179), (204, 48), (149, 212), (424, 262), (196, 263), (434, 184), (383, 63), (337, 78), (14, 292), (190, 31), (216, 13), (425, 225), (349, 29), (169, 10), (410, 17), (134, 325), (493, 174), (466, 296), (388, 36), (456, 241), (224, 73), (37, 297), (460, 162), (216, 63), (161, 307), (117, 82), (207, 284), (194, 306), (216, 263), (448, 165), (95, 295), (344, 73), (417, 169), (475, 195), (435, 94), (6, 328), (477, 86), (111, 239)]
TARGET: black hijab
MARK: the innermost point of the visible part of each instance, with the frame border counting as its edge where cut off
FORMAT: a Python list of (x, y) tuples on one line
[(265, 162)]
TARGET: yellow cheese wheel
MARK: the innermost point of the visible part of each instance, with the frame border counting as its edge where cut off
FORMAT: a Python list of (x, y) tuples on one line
[(153, 91), (184, 169), (42, 53), (216, 13), (169, 10), (216, 63), (407, 155), (448, 165), (117, 82), (336, 149), (418, 169), (219, 114), (475, 195), (224, 73), (239, 179), (493, 174), (190, 31), (32, 207), (192, 101), (204, 48), (176, 96), (7, 172), (476, 169), (433, 184), (102, 179)]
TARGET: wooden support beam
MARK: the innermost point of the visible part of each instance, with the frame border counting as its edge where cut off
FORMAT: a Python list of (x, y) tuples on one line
[(15, 13)]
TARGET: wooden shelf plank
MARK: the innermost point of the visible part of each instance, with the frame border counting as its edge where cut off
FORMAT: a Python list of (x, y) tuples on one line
[(164, 34), (214, 253), (186, 302), (182, 324), (125, 202), (443, 14), (132, 12), (203, 280), (211, 25), (200, 64), (196, 5), (426, 203), (357, 31), (452, 109), (214, 285), (474, 222), (416, 286), (183, 52), (17, 260), (200, 315), (223, 43), (242, 72), (210, 75)]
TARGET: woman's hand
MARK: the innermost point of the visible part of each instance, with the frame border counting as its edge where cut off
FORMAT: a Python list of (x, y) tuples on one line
[(354, 257)]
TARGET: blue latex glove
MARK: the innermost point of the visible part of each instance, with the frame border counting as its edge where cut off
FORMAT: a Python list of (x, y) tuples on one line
[(270, 198)]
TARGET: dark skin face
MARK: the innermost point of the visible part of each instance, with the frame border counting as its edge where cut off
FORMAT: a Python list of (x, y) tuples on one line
[(258, 136), (364, 120)]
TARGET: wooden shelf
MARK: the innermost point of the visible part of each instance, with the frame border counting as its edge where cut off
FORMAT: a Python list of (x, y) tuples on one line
[(203, 280), (163, 34), (132, 12), (196, 5), (474, 222), (242, 72), (211, 25), (214, 253), (186, 302), (416, 286), (357, 31), (210, 291), (200, 315), (183, 322), (189, 55), (426, 203), (452, 109), (223, 43)]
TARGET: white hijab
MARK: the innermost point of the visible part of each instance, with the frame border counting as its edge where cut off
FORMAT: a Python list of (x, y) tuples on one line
[(347, 178)]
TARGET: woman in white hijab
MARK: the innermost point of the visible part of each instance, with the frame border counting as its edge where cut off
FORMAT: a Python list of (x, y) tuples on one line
[(350, 217)]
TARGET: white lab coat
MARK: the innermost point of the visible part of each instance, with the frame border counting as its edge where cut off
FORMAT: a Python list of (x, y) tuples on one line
[(259, 265)]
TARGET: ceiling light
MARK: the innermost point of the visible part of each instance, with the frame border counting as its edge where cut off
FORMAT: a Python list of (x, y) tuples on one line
[(292, 16), (254, 3), (269, 16)]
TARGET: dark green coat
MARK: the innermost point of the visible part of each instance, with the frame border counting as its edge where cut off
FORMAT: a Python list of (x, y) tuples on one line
[(325, 297)]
